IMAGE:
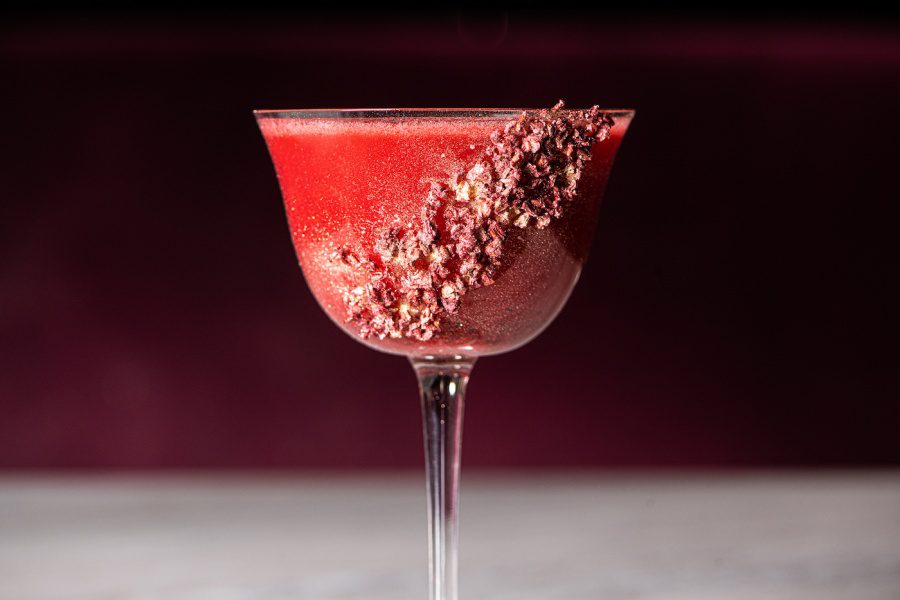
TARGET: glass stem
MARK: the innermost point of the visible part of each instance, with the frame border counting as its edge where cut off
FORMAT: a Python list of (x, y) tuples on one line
[(442, 386)]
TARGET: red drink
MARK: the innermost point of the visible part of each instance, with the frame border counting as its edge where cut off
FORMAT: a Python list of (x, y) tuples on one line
[(346, 181)]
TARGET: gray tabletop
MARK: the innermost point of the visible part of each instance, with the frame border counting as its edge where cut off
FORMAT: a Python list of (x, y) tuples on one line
[(554, 536)]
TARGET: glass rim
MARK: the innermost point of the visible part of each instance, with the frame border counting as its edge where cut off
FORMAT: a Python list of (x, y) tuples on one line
[(379, 113)]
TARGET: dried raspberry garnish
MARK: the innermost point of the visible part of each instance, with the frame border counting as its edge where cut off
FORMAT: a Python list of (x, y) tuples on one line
[(414, 275)]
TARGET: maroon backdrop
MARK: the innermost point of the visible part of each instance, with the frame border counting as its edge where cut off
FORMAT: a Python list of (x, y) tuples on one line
[(737, 308)]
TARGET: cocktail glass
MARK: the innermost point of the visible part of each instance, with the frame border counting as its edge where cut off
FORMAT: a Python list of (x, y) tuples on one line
[(443, 235)]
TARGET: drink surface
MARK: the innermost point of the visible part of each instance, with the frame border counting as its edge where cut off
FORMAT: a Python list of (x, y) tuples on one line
[(346, 180)]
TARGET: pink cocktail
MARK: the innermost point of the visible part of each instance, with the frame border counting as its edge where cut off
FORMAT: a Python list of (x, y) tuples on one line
[(348, 178), (443, 235)]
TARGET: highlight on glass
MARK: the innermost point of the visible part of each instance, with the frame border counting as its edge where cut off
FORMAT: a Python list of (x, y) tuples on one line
[(442, 235)]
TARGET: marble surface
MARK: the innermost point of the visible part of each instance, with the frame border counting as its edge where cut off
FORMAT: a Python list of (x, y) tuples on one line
[(773, 536)]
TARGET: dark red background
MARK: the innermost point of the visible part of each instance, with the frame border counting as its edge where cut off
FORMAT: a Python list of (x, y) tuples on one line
[(737, 309)]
